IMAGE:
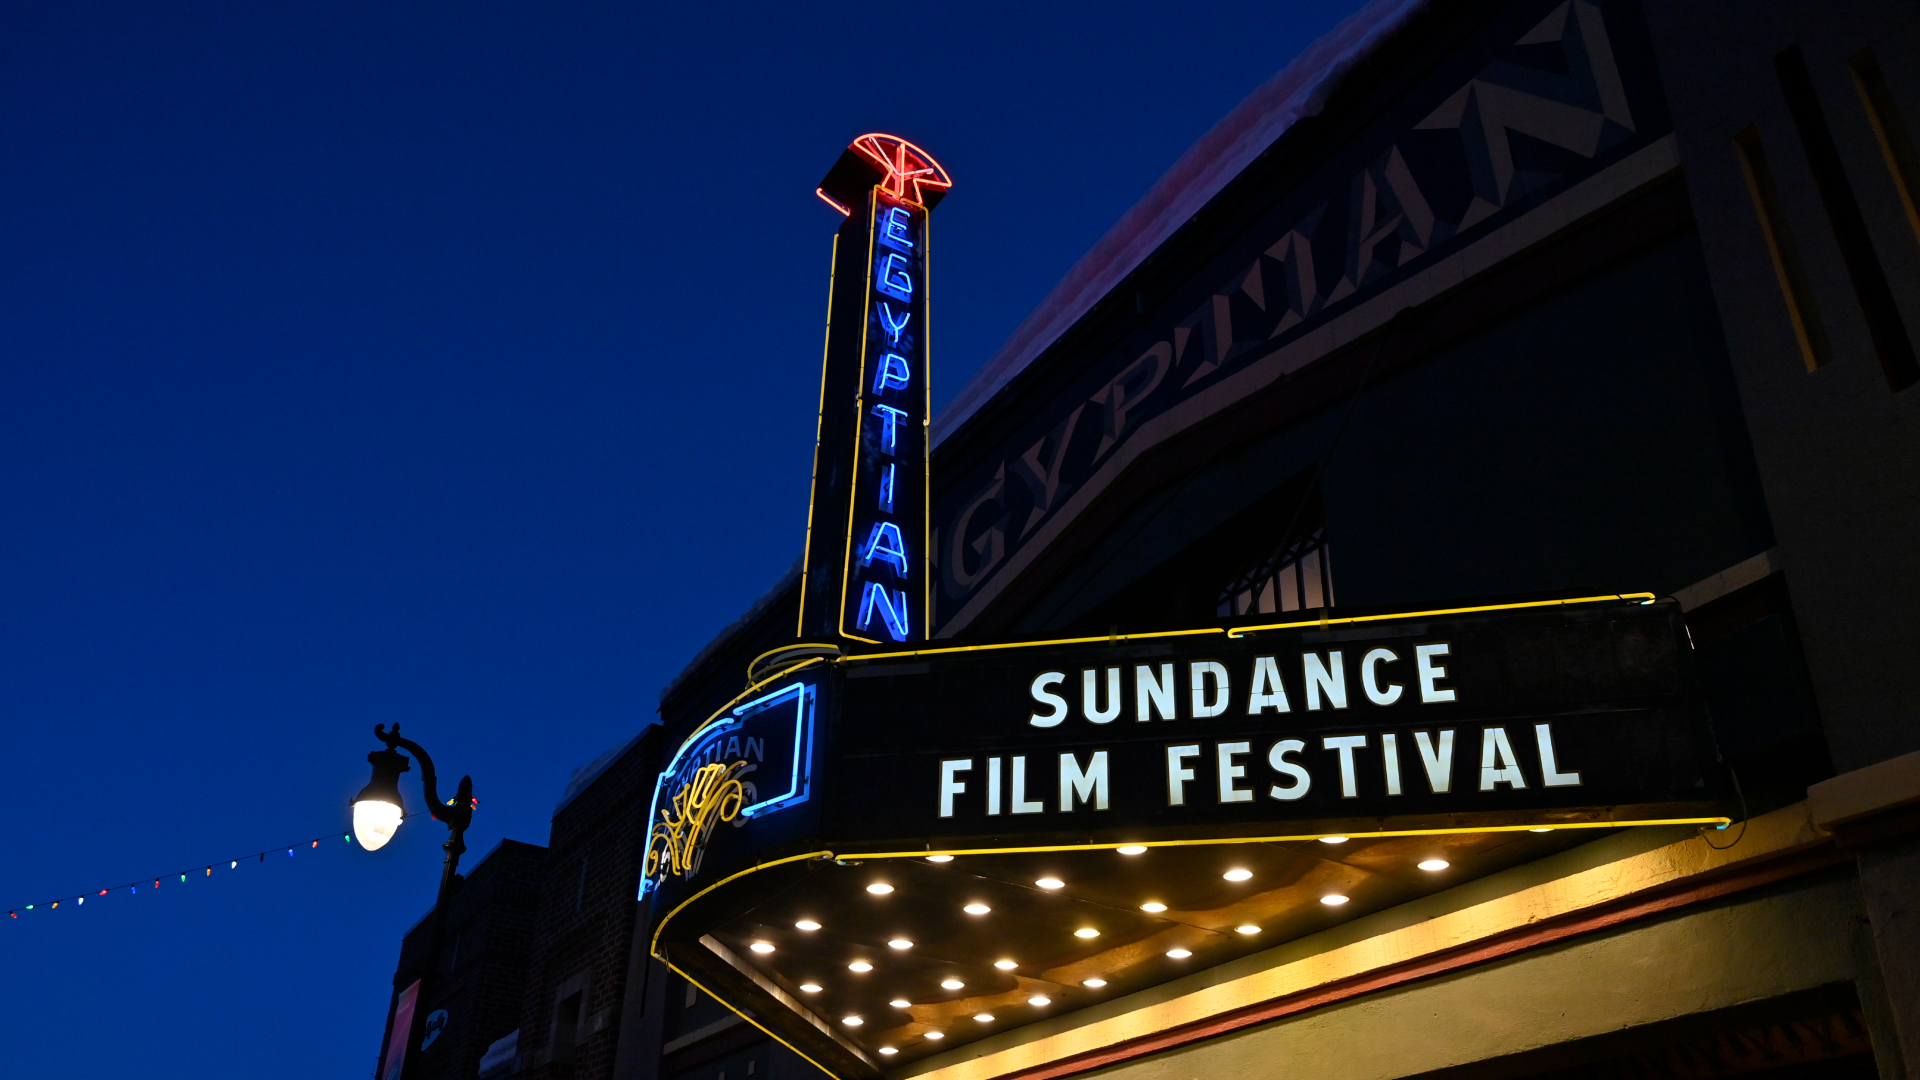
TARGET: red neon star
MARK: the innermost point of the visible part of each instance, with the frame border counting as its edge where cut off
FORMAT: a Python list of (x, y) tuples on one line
[(904, 164)]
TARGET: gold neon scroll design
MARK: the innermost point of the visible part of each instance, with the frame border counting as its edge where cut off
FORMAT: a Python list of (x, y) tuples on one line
[(712, 795)]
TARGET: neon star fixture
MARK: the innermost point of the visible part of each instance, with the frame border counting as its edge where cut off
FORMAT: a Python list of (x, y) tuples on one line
[(906, 166)]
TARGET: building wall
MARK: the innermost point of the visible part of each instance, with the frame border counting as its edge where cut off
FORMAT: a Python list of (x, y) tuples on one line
[(576, 986), (489, 943)]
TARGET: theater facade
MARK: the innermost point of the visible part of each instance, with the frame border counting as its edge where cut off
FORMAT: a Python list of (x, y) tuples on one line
[(1428, 594)]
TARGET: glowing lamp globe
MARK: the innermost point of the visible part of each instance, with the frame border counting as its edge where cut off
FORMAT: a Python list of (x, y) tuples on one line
[(377, 810)]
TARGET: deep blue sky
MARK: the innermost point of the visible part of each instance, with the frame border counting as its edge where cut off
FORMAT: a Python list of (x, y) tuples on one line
[(449, 363)]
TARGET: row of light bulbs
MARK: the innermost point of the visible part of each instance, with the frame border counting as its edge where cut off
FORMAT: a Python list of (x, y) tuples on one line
[(880, 888)]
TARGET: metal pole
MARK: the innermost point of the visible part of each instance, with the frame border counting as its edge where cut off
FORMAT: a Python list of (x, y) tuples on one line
[(456, 817)]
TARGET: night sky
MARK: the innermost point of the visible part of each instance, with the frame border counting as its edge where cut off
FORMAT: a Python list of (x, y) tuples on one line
[(452, 364)]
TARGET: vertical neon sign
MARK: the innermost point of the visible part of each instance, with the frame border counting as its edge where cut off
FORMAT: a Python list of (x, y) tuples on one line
[(869, 583)]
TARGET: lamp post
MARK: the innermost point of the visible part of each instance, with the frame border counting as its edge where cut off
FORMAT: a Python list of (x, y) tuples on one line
[(377, 813)]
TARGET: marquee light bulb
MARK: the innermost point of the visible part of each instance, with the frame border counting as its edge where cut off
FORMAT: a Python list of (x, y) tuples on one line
[(1154, 906), (1095, 983), (809, 988), (1179, 954), (761, 946), (1433, 864), (976, 909), (806, 924), (1086, 932), (1132, 849), (861, 966), (1333, 899), (1051, 883), (952, 984), (1237, 874), (879, 888), (1333, 839), (1005, 965)]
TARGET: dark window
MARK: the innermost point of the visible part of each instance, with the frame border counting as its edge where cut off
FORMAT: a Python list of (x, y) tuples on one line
[(1870, 284), (1788, 268), (566, 1026)]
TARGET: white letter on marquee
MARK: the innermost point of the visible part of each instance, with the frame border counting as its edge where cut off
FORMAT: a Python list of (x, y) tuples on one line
[(1177, 772), (950, 784), (1090, 784)]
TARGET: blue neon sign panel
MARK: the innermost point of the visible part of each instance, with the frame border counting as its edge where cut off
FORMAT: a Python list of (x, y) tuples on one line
[(884, 587), (769, 737)]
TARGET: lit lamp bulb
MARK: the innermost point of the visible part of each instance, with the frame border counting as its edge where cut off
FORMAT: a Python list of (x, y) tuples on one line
[(377, 809)]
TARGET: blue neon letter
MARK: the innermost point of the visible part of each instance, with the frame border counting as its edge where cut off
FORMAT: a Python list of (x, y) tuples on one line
[(893, 372), (894, 279), (886, 490), (885, 544), (893, 228), (878, 596), (893, 328), (892, 417)]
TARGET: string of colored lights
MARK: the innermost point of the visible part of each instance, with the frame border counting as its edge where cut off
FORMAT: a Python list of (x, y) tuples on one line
[(200, 870)]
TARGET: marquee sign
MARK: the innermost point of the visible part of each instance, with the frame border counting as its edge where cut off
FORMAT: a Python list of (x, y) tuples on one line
[(866, 564), (1517, 716), (841, 777), (1521, 716)]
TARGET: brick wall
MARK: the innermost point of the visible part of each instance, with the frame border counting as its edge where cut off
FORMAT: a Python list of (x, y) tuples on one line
[(489, 942), (571, 1017)]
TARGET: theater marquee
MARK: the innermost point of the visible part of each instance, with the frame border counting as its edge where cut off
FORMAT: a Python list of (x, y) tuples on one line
[(1067, 784)]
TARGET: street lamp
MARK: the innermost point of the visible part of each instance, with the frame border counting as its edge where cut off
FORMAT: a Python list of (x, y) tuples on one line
[(377, 812)]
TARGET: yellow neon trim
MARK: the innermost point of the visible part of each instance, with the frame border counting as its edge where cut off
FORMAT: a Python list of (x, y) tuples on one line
[(654, 945), (859, 422), (819, 423), (1234, 632), (795, 645), (1240, 631), (926, 424), (1290, 838), (748, 692), (1026, 644), (749, 1019)]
